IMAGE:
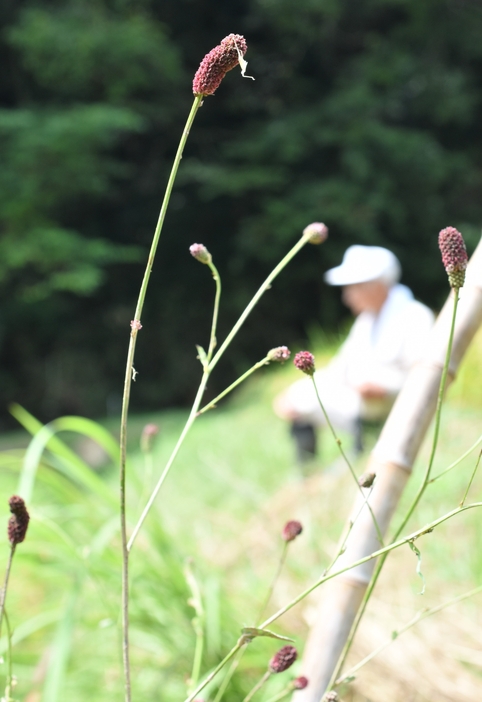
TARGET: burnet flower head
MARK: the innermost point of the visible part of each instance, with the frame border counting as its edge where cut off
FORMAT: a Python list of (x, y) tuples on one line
[(217, 63), (283, 659), (18, 522), (454, 255), (305, 362)]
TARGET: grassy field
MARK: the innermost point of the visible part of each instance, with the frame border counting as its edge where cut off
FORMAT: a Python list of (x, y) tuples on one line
[(221, 511)]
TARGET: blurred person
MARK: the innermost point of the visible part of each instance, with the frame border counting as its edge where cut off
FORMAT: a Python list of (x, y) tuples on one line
[(364, 378)]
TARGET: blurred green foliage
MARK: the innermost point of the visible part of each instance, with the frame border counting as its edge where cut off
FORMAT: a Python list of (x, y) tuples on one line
[(364, 115)]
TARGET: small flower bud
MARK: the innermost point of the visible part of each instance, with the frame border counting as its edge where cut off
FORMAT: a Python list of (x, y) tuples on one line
[(305, 362), (331, 696), (217, 63), (279, 354), (18, 522), (147, 437), (283, 660), (454, 255), (200, 253), (136, 325), (291, 530), (300, 683), (366, 480), (317, 231)]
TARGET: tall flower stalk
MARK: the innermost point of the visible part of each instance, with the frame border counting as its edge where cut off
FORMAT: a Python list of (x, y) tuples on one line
[(212, 70)]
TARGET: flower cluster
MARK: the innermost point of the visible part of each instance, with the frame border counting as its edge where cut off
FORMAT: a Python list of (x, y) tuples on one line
[(454, 255), (279, 354), (300, 683), (18, 522), (217, 63), (305, 362), (317, 231), (283, 660), (291, 530)]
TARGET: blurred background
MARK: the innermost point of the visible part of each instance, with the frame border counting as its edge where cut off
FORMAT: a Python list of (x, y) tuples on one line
[(364, 115)]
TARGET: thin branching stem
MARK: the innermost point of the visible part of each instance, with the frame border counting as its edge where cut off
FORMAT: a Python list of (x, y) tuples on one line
[(217, 298), (347, 461), (3, 593), (258, 686), (9, 681), (413, 505), (428, 528), (265, 286), (274, 581), (129, 376), (471, 479), (208, 367), (423, 614), (253, 369), (456, 463), (240, 644)]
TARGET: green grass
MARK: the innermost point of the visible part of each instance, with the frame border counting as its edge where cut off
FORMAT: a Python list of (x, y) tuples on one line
[(230, 492)]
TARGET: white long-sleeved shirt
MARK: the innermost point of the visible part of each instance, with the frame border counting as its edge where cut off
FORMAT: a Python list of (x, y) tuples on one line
[(381, 349)]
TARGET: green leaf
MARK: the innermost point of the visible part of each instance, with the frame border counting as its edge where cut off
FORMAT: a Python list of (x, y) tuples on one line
[(252, 632)]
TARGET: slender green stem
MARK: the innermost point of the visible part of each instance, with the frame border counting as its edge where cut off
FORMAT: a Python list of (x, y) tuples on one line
[(212, 339), (287, 691), (129, 376), (8, 686), (471, 479), (258, 686), (273, 582), (237, 382), (265, 286), (241, 642), (459, 460), (3, 593), (341, 548), (347, 461), (425, 481), (208, 367), (438, 414), (198, 625), (376, 554), (423, 614), (227, 678), (180, 441)]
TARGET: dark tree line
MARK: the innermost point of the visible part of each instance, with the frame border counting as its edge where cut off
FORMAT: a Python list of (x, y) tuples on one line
[(364, 114)]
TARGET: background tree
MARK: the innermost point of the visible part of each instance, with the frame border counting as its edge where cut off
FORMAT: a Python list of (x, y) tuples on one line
[(364, 115)]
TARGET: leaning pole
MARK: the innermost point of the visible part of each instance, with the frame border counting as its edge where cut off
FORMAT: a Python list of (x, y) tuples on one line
[(392, 460)]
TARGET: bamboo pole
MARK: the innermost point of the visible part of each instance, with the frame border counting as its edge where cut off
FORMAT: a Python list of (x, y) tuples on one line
[(392, 460)]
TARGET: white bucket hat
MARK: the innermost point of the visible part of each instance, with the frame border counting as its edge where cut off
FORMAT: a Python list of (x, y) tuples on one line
[(364, 263)]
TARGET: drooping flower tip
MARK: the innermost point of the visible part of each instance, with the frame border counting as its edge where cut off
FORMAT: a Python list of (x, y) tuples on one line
[(366, 480), (317, 231), (148, 435), (217, 63), (454, 255), (300, 683), (283, 660), (18, 522), (291, 530), (305, 362), (279, 354), (200, 253)]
